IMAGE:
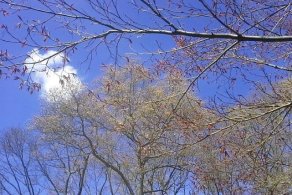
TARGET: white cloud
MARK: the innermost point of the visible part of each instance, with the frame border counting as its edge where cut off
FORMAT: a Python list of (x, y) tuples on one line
[(52, 71)]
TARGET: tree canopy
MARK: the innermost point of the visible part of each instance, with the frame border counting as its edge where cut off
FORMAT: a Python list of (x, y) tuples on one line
[(191, 97)]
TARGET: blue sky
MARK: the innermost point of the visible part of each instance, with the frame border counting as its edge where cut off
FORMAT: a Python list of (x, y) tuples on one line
[(17, 106)]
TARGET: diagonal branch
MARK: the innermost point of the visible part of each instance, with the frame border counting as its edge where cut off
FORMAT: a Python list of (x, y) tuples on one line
[(201, 73)]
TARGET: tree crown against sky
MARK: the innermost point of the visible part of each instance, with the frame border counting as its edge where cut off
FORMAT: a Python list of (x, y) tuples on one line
[(125, 127), (125, 137), (234, 55)]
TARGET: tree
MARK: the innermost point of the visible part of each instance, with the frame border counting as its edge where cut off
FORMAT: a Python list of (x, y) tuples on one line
[(30, 165), (129, 136), (17, 175), (252, 154), (127, 124)]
